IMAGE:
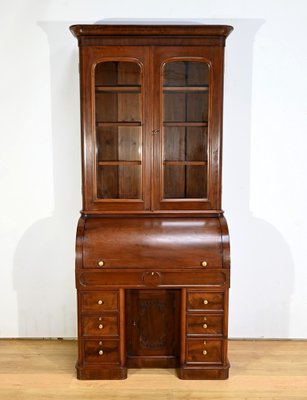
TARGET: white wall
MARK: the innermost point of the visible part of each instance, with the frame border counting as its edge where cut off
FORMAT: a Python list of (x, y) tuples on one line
[(265, 167)]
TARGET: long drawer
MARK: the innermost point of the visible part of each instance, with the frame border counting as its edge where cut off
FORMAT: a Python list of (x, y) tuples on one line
[(152, 278)]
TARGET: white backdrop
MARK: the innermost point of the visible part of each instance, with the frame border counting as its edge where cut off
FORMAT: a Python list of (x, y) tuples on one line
[(265, 166)]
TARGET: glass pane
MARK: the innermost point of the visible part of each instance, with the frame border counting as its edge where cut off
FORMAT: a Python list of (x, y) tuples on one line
[(197, 107), (185, 144), (186, 73), (118, 107), (196, 181), (174, 107), (196, 144), (174, 181), (119, 182), (112, 73), (185, 181), (174, 144), (118, 112), (197, 73), (185, 129), (185, 107), (119, 143)]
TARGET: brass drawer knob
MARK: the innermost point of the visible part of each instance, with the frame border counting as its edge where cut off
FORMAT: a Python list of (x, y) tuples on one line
[(206, 301), (100, 302), (100, 352), (100, 326), (100, 263), (205, 326), (204, 263), (205, 352)]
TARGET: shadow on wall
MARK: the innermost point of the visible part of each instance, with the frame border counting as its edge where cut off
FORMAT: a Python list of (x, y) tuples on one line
[(44, 259), (262, 266)]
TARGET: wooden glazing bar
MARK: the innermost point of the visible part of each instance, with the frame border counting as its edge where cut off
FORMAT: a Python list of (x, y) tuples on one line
[(187, 124), (118, 89), (133, 162), (185, 88), (119, 123), (184, 163)]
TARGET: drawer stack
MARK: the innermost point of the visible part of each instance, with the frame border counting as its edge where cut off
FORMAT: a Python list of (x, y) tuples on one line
[(205, 335), (99, 333)]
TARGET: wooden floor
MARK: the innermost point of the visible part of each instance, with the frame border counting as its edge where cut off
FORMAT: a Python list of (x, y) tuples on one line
[(44, 369)]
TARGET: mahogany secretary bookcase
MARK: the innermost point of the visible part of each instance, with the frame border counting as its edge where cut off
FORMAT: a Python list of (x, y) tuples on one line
[(152, 248)]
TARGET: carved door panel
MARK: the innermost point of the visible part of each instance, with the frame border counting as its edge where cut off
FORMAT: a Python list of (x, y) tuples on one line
[(152, 322)]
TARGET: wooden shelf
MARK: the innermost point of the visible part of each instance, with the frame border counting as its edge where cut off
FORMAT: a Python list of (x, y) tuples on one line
[(185, 124), (119, 123), (118, 89), (189, 163), (114, 163), (185, 88)]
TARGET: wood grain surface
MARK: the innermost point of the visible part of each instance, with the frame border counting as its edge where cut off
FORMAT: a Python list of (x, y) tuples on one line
[(44, 369)]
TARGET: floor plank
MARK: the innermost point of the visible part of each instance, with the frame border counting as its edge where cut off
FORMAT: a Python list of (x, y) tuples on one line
[(260, 370)]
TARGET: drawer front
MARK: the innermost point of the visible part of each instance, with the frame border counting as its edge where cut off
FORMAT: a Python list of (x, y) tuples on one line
[(101, 325), (204, 325), (152, 278), (210, 301), (204, 351), (99, 301), (100, 352)]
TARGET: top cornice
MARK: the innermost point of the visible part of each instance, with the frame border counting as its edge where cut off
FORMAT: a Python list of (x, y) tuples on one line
[(151, 30)]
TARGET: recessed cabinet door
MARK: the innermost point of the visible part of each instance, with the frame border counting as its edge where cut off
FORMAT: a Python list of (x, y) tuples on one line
[(116, 144), (187, 135)]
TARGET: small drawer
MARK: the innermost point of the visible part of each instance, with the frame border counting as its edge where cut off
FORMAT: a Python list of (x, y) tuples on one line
[(204, 351), (99, 301), (100, 352), (100, 325), (205, 301), (204, 325)]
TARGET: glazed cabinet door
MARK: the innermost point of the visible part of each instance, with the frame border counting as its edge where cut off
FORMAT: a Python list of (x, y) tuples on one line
[(187, 115), (114, 107)]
